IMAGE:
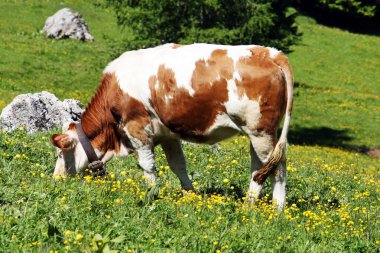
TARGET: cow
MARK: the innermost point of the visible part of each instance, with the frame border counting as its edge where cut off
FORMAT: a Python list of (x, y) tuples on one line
[(201, 93)]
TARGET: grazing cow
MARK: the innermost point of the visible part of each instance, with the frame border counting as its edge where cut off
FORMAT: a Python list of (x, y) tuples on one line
[(201, 93)]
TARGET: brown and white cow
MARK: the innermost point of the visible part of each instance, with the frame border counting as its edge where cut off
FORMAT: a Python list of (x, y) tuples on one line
[(201, 93)]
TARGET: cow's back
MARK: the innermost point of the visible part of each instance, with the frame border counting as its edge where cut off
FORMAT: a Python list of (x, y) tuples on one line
[(134, 68)]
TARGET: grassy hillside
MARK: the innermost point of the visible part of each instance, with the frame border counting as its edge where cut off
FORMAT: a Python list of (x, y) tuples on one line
[(29, 62), (338, 81), (333, 194)]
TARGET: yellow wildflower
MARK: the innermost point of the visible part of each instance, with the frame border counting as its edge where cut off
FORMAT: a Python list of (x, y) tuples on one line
[(79, 237)]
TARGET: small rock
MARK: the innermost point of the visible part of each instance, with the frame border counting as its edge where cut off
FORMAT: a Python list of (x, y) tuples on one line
[(67, 24), (374, 152), (39, 112)]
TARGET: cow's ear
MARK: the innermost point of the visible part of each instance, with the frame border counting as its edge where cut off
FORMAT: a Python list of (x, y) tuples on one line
[(62, 141)]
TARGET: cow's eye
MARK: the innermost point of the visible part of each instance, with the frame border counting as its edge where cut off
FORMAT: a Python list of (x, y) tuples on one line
[(60, 153)]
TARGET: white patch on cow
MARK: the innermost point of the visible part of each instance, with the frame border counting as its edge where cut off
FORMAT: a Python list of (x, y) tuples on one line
[(146, 161), (243, 109), (231, 87), (262, 144), (107, 156), (236, 77), (74, 159), (252, 113), (156, 85), (273, 52), (254, 189), (285, 127), (234, 103), (278, 185), (123, 151), (238, 52), (59, 169)]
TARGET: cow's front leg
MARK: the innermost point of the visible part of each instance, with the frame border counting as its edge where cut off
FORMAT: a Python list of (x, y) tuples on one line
[(146, 161), (139, 132)]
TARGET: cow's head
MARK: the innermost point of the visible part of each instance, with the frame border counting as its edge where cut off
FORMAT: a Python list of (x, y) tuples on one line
[(71, 156)]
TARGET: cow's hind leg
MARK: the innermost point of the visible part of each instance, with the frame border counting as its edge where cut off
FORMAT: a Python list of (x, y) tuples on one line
[(278, 184), (177, 161), (254, 188), (260, 149)]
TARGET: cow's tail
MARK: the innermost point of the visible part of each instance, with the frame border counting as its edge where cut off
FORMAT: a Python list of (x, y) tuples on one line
[(279, 151)]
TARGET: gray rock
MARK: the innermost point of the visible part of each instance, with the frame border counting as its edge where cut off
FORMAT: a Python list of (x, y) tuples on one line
[(67, 24), (39, 112)]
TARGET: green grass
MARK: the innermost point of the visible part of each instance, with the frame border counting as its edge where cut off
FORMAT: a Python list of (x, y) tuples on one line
[(333, 199), (333, 194)]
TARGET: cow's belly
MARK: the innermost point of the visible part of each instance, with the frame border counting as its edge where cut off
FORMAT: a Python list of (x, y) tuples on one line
[(222, 128), (214, 136)]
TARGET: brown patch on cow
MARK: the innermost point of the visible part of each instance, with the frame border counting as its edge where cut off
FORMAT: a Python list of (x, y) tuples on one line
[(262, 80), (109, 111), (98, 121), (191, 115), (282, 61), (175, 46), (72, 126), (134, 116), (218, 66)]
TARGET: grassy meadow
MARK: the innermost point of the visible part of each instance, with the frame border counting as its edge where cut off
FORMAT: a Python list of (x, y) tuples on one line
[(333, 190)]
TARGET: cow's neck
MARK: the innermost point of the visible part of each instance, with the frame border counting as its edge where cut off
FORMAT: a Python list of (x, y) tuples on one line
[(98, 123)]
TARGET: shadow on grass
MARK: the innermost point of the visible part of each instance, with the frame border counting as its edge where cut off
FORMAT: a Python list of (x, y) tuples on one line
[(325, 136), (321, 136), (328, 137)]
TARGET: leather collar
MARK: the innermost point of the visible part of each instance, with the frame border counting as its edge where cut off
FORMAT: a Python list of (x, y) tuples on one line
[(96, 166)]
